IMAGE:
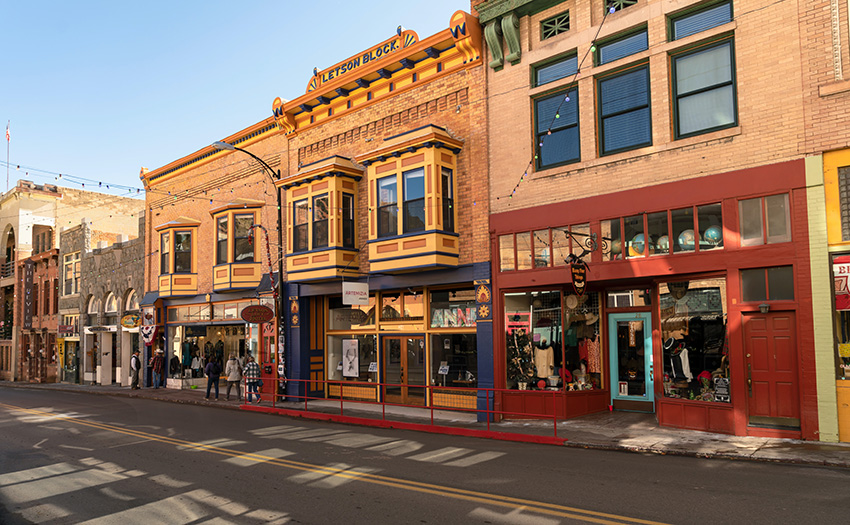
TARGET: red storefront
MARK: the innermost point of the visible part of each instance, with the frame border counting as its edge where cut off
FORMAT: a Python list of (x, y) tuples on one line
[(697, 305)]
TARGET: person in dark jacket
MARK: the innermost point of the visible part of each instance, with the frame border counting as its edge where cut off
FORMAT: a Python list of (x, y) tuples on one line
[(213, 371), (158, 365)]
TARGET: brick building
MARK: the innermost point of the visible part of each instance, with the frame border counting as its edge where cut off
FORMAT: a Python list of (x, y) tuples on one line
[(381, 186), (32, 213), (102, 282), (651, 143)]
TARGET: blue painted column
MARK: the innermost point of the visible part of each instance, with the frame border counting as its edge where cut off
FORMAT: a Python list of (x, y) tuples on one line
[(484, 335), (296, 367)]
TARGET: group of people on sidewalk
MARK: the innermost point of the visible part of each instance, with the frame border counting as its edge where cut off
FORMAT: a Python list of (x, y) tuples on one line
[(234, 373)]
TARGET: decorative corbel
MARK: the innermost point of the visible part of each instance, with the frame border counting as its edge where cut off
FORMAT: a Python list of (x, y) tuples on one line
[(510, 28), (493, 37)]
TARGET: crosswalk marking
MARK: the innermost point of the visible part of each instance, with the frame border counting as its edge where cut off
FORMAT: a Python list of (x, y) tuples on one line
[(331, 480), (475, 458), (33, 474), (440, 455), (62, 484), (398, 447), (246, 460)]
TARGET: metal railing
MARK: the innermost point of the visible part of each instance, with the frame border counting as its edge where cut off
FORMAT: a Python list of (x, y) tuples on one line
[(7, 270), (359, 402)]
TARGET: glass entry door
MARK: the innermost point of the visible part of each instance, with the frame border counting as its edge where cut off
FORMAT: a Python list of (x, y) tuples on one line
[(630, 337), (404, 370)]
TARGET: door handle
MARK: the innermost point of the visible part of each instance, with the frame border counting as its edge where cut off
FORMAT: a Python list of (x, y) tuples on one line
[(750, 378)]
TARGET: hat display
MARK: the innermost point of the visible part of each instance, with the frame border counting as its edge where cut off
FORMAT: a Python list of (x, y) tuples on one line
[(591, 318), (159, 351), (668, 344), (572, 301)]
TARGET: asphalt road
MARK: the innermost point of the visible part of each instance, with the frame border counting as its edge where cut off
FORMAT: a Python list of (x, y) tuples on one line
[(83, 458)]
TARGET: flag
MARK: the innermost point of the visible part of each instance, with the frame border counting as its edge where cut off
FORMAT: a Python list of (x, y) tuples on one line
[(8, 137)]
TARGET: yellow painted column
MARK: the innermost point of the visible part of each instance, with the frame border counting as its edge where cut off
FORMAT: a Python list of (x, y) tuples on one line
[(822, 305)]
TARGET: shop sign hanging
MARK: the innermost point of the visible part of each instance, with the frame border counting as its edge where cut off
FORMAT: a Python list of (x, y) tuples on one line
[(355, 294), (131, 320), (579, 271), (257, 313), (841, 272)]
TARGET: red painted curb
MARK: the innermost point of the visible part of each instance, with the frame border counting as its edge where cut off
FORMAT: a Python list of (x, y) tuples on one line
[(419, 427)]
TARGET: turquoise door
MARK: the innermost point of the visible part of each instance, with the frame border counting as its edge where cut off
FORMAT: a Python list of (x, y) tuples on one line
[(630, 345)]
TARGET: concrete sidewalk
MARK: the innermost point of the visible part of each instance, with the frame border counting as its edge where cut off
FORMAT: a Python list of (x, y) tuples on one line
[(625, 431)]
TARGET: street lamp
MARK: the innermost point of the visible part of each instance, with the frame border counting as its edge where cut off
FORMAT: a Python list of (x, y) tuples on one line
[(274, 175)]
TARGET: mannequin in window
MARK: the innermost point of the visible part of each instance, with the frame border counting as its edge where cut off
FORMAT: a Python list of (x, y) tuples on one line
[(544, 359)]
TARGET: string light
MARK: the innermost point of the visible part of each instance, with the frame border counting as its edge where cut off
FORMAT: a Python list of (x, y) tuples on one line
[(565, 100)]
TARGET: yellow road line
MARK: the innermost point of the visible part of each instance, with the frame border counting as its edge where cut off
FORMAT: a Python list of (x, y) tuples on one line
[(416, 486)]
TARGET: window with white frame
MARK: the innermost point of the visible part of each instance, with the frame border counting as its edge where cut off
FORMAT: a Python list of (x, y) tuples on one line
[(387, 207), (71, 273)]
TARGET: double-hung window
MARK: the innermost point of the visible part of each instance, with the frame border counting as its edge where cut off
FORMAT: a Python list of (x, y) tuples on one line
[(387, 206), (71, 265), (221, 241), (182, 252), (164, 253), (704, 90), (556, 125), (320, 221), (447, 191), (622, 47), (414, 200), (694, 22), (625, 120), (555, 70), (300, 225), (243, 248), (347, 220)]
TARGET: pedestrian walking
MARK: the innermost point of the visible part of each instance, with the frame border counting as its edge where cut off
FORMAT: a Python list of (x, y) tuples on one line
[(158, 365), (252, 378), (135, 367), (213, 371), (233, 371)]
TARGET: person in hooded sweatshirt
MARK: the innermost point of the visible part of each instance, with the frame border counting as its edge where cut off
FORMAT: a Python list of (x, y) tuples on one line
[(233, 371)]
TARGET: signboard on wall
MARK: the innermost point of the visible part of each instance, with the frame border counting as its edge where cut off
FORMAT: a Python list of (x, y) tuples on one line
[(840, 275), (29, 269)]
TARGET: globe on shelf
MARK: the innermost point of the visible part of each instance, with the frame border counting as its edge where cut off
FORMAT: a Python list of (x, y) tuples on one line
[(663, 244), (637, 246), (713, 235), (686, 240)]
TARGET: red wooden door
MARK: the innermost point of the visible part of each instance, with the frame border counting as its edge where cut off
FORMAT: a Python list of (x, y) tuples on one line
[(770, 345)]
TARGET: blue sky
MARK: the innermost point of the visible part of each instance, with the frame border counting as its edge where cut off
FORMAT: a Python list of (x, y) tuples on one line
[(95, 90)]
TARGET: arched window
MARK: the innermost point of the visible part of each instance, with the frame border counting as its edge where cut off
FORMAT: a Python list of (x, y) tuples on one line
[(94, 306), (111, 304), (132, 303)]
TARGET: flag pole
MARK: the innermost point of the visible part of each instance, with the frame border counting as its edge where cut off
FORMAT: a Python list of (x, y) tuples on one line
[(7, 154)]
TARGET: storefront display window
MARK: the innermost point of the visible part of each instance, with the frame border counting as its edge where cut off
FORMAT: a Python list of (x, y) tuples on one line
[(534, 339), (351, 317), (454, 360), (767, 284), (453, 308), (693, 331), (351, 357)]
